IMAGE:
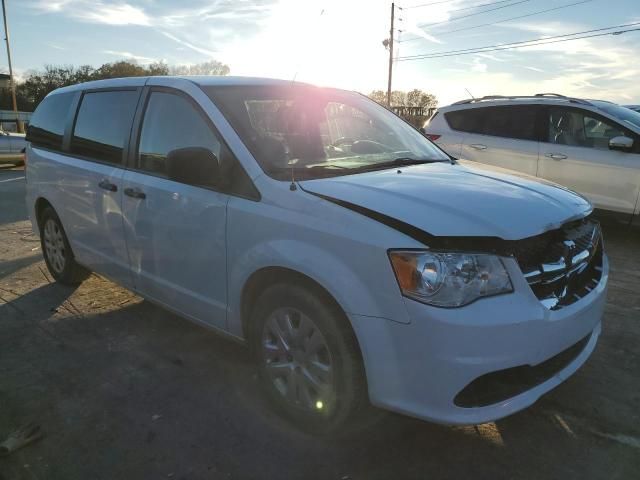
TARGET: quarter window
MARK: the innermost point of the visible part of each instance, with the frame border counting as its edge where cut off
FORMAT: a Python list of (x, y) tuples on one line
[(48, 123), (103, 125), (171, 122), (517, 122), (581, 129), (465, 120)]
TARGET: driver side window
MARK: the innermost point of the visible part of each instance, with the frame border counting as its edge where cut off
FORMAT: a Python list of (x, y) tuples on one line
[(576, 128), (171, 122)]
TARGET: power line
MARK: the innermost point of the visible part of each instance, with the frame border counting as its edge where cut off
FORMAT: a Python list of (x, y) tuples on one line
[(428, 4), (457, 9), (539, 12), (473, 14), (525, 43)]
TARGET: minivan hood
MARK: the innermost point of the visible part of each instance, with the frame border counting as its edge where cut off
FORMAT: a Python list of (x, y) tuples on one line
[(464, 199)]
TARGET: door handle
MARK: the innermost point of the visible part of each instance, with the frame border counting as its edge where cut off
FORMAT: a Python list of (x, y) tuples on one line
[(556, 156), (478, 146), (135, 193), (107, 185)]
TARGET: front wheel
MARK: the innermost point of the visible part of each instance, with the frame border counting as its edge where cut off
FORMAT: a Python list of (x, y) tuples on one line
[(308, 358)]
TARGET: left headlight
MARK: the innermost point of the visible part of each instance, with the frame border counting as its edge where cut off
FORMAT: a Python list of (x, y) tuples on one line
[(449, 279)]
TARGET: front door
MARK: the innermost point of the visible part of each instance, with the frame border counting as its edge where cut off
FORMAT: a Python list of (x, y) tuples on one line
[(175, 232), (576, 154)]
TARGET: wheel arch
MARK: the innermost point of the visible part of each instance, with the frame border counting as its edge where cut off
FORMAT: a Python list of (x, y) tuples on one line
[(262, 278), (40, 204)]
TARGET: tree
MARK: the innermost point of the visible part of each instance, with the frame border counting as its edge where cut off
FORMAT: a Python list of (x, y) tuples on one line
[(418, 98), (37, 84), (378, 96), (212, 67), (414, 98)]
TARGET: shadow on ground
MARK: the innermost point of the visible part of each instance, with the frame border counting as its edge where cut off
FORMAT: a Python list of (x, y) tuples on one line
[(137, 392)]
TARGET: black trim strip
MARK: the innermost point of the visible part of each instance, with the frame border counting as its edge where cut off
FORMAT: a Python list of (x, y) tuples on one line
[(470, 244), (407, 229)]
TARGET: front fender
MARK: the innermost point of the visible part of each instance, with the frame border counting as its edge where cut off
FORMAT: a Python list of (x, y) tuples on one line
[(325, 268)]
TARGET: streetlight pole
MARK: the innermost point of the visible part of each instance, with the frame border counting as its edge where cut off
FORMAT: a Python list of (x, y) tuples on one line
[(11, 81), (393, 8)]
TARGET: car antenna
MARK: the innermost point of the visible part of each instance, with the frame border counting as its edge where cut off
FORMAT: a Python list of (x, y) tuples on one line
[(470, 94)]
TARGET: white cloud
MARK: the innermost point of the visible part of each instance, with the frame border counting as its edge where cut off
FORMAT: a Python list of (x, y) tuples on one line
[(195, 48), (95, 11), (123, 14), (342, 46), (55, 46), (130, 56)]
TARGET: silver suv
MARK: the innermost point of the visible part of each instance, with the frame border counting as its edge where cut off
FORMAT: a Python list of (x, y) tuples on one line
[(590, 146), (12, 148)]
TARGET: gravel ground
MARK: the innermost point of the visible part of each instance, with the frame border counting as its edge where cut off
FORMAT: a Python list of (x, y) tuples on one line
[(124, 389)]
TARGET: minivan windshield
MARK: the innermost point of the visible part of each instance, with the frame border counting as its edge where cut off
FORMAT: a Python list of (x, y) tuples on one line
[(629, 117), (317, 132)]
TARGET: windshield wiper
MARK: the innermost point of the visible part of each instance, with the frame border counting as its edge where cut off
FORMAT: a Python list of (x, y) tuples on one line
[(308, 172), (398, 162)]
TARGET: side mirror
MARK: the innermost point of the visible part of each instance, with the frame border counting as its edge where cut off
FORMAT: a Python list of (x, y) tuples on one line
[(194, 166), (621, 143)]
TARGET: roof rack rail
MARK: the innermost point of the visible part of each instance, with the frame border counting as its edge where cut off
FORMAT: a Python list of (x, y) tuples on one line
[(555, 96), (550, 95)]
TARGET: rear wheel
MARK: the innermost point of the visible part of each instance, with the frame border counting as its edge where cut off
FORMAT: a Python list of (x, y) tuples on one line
[(57, 252), (308, 358)]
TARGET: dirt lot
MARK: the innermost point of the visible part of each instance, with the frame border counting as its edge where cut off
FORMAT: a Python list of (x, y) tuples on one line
[(123, 389)]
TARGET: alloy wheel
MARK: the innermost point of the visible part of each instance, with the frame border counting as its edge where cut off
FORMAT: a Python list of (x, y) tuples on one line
[(54, 245), (298, 361)]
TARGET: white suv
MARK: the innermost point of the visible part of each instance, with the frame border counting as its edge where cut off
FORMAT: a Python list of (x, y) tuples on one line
[(355, 259), (590, 146)]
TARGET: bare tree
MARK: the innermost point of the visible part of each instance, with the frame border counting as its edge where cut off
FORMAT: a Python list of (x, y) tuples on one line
[(38, 83), (212, 67), (414, 98)]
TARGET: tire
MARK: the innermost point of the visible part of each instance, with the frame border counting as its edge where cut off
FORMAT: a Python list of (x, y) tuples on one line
[(293, 358), (57, 252)]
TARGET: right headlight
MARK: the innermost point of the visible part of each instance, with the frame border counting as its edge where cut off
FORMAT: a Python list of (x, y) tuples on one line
[(449, 279)]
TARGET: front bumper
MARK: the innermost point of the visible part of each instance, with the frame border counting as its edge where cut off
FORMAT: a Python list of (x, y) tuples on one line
[(419, 368)]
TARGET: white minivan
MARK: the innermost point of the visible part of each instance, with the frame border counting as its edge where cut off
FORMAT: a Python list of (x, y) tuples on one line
[(358, 261)]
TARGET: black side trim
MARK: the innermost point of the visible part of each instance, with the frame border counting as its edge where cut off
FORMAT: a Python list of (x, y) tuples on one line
[(494, 245), (501, 385), (463, 244), (403, 227)]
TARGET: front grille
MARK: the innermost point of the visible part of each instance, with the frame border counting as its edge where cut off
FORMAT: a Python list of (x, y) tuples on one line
[(564, 265), (501, 385)]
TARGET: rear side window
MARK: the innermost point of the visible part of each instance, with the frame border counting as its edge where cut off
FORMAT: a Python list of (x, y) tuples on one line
[(103, 125), (464, 120), (517, 122), (46, 128), (512, 122)]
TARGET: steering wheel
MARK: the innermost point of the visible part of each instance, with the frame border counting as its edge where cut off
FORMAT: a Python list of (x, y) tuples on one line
[(342, 141)]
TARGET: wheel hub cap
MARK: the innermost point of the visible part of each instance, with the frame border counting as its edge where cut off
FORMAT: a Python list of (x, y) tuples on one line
[(297, 360), (54, 245)]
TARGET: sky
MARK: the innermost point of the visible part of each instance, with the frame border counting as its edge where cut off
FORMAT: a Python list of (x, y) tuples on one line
[(339, 42)]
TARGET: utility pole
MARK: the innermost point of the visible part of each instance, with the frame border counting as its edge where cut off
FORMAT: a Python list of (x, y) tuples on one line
[(393, 9), (12, 83)]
